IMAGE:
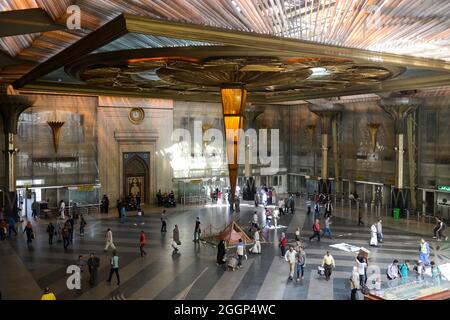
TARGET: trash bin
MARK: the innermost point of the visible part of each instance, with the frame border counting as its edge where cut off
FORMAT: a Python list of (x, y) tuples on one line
[(396, 213)]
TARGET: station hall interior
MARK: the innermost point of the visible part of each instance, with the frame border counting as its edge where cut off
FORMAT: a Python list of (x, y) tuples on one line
[(245, 115)]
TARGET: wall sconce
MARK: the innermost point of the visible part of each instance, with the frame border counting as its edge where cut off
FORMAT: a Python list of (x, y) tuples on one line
[(373, 128), (233, 97), (56, 131), (310, 129)]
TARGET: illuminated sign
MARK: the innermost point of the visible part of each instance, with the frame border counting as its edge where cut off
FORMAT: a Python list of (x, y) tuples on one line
[(444, 188)]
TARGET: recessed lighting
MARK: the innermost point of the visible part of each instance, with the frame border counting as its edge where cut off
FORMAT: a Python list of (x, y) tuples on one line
[(319, 71)]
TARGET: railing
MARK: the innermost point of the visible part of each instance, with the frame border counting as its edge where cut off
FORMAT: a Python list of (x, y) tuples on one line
[(195, 199)]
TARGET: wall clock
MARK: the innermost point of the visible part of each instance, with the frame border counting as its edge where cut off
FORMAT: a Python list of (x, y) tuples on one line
[(136, 115)]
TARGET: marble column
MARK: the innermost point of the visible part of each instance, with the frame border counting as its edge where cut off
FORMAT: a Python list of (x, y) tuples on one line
[(326, 111), (399, 106), (11, 106), (250, 115)]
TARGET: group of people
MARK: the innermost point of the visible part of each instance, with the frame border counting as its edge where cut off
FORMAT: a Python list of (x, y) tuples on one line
[(166, 200)]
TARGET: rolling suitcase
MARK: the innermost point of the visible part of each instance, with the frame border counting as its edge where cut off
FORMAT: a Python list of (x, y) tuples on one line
[(232, 263)]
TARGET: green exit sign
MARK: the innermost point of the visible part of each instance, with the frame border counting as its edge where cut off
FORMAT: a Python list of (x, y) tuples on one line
[(444, 188)]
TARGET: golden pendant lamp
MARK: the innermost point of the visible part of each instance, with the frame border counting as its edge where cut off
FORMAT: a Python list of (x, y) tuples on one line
[(56, 131), (233, 97)]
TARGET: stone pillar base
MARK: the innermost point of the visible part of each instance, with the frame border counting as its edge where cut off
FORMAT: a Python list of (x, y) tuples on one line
[(400, 199), (10, 209), (249, 189), (325, 186)]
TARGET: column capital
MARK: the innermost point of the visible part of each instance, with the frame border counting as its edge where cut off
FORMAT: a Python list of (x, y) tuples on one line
[(251, 113), (12, 105), (399, 106), (326, 111)]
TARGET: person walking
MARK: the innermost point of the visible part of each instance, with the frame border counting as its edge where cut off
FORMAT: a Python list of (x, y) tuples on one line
[(290, 257), (62, 208), (109, 240), (300, 262), (59, 227), (380, 230), (35, 209), (163, 221), (29, 232), (221, 253), (70, 224), (51, 232), (354, 283), (373, 235), (328, 264), (362, 265), (282, 244), (275, 217), (424, 252), (123, 214), (292, 203), (297, 234), (327, 230), (240, 251), (176, 239), (441, 226), (66, 236), (82, 225), (140, 217), (142, 240), (48, 295), (328, 208), (392, 271), (257, 246), (114, 268), (11, 227), (93, 264), (197, 230), (255, 220), (316, 230), (317, 210)]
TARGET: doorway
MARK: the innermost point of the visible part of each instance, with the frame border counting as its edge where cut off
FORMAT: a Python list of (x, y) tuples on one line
[(136, 176)]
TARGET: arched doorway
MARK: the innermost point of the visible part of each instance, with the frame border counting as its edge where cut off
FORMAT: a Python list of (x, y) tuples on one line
[(136, 177)]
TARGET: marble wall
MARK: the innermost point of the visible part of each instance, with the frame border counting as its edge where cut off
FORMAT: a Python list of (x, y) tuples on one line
[(117, 134)]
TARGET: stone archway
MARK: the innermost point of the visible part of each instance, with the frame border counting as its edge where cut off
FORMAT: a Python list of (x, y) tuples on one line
[(136, 175)]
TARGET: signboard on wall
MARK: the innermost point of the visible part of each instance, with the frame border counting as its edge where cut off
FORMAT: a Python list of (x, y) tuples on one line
[(444, 188), (390, 180), (85, 188)]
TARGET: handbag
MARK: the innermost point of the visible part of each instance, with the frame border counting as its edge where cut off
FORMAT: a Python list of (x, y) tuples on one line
[(178, 242), (32, 236)]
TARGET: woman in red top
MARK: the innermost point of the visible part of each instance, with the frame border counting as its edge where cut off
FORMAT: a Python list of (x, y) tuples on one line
[(316, 230), (142, 240), (283, 243)]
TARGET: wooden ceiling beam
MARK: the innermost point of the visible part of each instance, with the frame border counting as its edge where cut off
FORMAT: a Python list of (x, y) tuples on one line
[(144, 25)]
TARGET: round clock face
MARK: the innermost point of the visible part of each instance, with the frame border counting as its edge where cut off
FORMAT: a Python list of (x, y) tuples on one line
[(136, 115)]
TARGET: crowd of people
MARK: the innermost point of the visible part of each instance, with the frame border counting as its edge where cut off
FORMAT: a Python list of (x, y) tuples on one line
[(294, 254)]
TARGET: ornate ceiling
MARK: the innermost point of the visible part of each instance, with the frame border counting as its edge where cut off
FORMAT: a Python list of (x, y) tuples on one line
[(323, 29), (202, 70)]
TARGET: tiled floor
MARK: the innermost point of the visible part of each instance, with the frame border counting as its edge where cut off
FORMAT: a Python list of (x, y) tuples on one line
[(193, 274)]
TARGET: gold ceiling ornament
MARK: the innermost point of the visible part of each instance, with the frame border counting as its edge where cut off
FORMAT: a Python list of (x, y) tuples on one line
[(201, 71), (233, 98), (310, 129), (56, 132), (373, 128)]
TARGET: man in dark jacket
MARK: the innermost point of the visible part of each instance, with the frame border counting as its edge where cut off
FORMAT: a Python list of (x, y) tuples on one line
[(93, 265), (51, 232)]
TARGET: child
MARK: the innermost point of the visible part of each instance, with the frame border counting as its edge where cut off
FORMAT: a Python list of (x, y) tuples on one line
[(435, 273), (419, 269)]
